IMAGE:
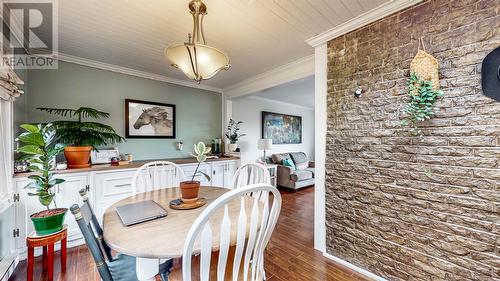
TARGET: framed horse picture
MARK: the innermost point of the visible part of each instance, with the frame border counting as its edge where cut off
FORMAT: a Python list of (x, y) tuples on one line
[(144, 119)]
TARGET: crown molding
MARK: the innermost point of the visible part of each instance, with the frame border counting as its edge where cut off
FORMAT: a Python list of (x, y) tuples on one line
[(377, 13), (133, 72), (278, 102), (298, 69)]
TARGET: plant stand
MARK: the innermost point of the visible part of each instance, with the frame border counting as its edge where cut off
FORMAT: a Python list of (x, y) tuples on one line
[(47, 242)]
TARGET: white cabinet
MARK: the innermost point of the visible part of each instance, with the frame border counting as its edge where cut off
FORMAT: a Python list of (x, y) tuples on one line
[(66, 195), (191, 168), (110, 187), (222, 173), (104, 189)]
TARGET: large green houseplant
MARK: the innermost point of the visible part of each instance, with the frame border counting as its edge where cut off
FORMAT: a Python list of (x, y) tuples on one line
[(81, 136), (39, 148)]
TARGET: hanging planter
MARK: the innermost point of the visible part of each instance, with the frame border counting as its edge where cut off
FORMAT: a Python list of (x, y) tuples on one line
[(423, 91)]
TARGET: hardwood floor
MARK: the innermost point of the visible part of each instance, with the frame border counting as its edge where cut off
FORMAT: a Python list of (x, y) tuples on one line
[(289, 256)]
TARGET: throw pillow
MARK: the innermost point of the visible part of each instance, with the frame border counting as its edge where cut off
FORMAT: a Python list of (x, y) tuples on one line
[(289, 163)]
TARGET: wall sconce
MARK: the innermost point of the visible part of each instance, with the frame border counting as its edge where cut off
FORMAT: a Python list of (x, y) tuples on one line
[(178, 145), (358, 92)]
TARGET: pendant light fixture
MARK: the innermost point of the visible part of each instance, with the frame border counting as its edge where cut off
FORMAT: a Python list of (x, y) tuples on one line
[(195, 58)]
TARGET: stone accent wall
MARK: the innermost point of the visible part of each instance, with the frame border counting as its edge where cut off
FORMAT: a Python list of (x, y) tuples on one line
[(415, 208)]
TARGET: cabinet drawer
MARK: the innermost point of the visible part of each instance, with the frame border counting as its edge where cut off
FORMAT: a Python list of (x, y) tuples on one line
[(190, 169), (113, 186)]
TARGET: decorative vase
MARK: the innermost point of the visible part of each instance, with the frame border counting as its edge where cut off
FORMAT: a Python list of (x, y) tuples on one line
[(48, 221), (232, 147), (189, 191), (77, 156)]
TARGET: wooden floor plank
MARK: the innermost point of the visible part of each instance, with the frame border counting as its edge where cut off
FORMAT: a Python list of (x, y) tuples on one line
[(289, 256)]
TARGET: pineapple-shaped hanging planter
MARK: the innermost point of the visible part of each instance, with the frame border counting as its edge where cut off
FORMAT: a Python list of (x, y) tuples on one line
[(425, 66)]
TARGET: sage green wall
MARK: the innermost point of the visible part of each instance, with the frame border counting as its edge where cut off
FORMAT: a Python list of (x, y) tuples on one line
[(199, 112)]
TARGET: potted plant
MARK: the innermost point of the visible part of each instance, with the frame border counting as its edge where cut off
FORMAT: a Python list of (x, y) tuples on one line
[(39, 148), (232, 133), (190, 189), (79, 136)]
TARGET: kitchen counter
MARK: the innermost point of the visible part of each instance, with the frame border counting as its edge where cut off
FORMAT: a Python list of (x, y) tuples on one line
[(134, 164)]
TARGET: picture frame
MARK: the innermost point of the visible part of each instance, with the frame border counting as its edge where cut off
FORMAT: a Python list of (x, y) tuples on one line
[(103, 156), (281, 128), (147, 119)]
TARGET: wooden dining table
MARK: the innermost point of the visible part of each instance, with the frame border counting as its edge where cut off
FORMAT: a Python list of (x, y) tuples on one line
[(163, 238)]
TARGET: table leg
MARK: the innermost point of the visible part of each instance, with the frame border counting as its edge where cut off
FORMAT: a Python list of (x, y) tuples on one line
[(147, 269), (63, 254), (31, 259), (50, 262)]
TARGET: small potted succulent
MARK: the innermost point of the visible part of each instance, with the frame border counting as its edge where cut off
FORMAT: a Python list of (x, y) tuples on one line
[(232, 133), (39, 149), (81, 136), (190, 189)]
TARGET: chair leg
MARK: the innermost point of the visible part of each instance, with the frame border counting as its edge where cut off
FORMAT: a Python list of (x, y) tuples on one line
[(50, 262), (31, 258), (63, 254)]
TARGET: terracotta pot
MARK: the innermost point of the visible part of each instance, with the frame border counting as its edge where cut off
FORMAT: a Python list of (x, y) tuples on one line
[(77, 156), (189, 191)]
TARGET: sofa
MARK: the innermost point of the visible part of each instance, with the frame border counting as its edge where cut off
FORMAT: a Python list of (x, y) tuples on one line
[(301, 176)]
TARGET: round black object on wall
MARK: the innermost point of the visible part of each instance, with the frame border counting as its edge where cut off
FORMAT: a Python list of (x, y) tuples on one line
[(491, 75)]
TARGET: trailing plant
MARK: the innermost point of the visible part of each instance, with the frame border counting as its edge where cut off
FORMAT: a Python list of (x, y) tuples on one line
[(83, 133), (232, 131), (39, 148), (200, 152), (419, 105)]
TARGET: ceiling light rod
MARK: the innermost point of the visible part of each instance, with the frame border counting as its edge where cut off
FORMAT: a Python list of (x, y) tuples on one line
[(195, 58)]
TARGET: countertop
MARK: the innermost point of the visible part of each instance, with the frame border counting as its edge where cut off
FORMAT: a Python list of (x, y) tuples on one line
[(134, 164)]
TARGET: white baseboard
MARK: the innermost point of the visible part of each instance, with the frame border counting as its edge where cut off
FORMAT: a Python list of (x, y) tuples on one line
[(7, 266), (353, 267)]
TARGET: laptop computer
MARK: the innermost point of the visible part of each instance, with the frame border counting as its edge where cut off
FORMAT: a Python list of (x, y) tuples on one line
[(135, 213)]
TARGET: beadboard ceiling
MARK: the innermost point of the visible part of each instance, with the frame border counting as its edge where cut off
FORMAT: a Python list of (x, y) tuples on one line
[(258, 35)]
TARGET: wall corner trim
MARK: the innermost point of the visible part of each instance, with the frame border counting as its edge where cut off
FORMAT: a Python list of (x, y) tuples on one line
[(133, 72), (377, 13), (292, 71), (354, 267)]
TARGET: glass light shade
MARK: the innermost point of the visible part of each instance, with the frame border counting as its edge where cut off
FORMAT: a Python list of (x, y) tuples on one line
[(197, 61)]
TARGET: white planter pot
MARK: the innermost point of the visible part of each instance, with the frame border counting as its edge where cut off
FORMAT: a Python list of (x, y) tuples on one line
[(232, 147)]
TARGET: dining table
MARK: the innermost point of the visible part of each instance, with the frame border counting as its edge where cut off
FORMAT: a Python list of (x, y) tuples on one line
[(164, 238)]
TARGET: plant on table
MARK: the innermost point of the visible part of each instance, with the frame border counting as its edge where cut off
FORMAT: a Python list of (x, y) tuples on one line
[(39, 149), (82, 136), (419, 105), (190, 189)]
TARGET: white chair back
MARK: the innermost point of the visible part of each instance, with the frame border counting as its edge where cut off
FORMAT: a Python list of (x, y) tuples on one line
[(156, 175), (249, 250), (251, 173)]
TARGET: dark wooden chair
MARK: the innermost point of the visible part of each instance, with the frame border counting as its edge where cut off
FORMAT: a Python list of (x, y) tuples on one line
[(118, 268)]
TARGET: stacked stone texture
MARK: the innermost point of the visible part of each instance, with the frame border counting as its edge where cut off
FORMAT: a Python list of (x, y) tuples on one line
[(405, 207)]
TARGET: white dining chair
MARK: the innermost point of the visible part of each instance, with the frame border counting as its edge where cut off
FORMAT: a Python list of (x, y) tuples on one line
[(155, 175), (253, 232), (251, 173)]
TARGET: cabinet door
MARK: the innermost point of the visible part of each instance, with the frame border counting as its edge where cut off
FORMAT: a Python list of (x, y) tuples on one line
[(205, 168), (66, 195), (231, 167), (109, 188), (218, 174)]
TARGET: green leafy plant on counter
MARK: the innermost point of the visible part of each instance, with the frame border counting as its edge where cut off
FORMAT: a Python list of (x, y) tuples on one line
[(83, 133), (39, 148), (232, 131), (419, 105), (200, 152)]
